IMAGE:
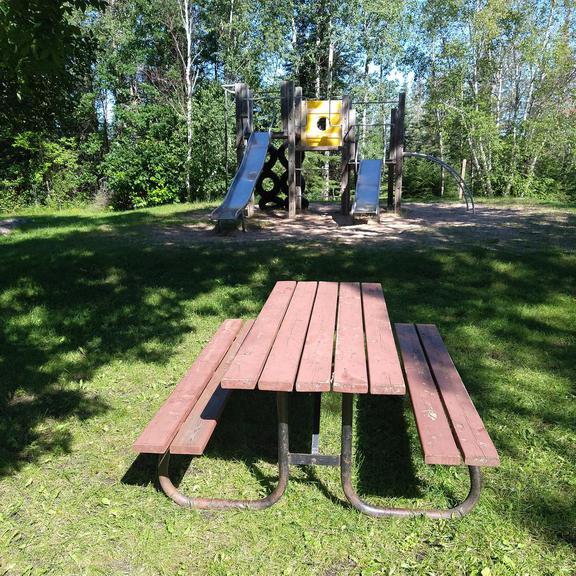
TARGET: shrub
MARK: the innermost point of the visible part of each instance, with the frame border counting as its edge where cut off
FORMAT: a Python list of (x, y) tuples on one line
[(146, 163), (45, 170)]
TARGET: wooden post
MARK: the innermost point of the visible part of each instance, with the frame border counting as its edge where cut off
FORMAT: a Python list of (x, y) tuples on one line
[(391, 158), (250, 129), (399, 152), (345, 166), (289, 127), (352, 175), (297, 135), (242, 119), (463, 176)]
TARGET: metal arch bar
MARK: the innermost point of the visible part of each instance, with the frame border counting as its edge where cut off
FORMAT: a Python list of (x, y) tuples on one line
[(361, 102), (374, 124), (378, 511), (225, 504), (467, 193), (258, 98)]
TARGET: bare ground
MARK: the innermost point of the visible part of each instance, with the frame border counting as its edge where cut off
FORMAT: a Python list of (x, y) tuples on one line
[(440, 225), (10, 224)]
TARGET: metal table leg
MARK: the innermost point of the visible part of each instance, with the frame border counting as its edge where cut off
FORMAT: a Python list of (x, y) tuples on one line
[(378, 511), (223, 503)]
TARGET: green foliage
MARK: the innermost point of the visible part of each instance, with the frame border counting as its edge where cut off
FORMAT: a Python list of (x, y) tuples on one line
[(497, 83), (47, 172), (38, 36), (421, 180), (83, 80), (207, 164), (146, 162)]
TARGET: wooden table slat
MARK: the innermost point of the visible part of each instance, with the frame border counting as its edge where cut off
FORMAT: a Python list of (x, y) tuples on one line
[(249, 362), (315, 372), (434, 429), (384, 370), (201, 422), (282, 364), (350, 372), (473, 439), (157, 436)]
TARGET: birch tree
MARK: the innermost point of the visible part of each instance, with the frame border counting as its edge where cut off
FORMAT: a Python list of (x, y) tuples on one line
[(189, 55)]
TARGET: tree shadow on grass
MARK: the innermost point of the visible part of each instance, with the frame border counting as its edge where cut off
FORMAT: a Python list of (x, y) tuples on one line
[(383, 455), (246, 432), (70, 305), (118, 222)]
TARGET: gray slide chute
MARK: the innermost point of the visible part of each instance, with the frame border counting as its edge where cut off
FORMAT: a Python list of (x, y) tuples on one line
[(242, 186), (367, 200)]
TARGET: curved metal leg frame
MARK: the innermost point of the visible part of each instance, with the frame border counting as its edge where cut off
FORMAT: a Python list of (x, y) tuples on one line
[(377, 511), (224, 504)]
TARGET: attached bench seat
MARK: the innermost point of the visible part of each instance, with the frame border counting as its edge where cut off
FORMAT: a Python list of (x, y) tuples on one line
[(450, 428), (186, 421)]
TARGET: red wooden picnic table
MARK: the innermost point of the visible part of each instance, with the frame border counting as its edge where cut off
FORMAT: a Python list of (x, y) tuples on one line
[(291, 345), (317, 337)]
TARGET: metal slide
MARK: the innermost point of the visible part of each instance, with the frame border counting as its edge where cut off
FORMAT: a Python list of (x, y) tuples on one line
[(367, 198), (242, 186)]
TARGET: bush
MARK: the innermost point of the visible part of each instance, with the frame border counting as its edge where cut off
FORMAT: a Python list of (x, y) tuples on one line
[(146, 163), (40, 169)]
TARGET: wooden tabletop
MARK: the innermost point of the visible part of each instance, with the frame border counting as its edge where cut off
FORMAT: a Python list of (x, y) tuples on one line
[(317, 337)]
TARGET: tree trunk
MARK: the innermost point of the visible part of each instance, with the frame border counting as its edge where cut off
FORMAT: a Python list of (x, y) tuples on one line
[(188, 58)]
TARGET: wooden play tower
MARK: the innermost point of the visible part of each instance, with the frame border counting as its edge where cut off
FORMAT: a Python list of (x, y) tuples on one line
[(316, 126)]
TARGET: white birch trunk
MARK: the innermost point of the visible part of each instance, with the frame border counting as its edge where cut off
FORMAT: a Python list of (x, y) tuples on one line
[(188, 57)]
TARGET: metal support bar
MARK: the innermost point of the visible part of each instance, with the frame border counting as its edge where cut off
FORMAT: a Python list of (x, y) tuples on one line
[(226, 504), (373, 124), (298, 459), (360, 102), (316, 422), (399, 151), (344, 460), (378, 511)]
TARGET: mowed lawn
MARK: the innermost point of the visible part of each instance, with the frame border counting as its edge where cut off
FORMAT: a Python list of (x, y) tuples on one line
[(99, 319)]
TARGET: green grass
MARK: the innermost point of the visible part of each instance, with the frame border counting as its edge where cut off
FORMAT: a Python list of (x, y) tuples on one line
[(98, 321), (498, 201)]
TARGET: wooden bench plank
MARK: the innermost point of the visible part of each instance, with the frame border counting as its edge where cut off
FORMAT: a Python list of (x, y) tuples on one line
[(384, 370), (282, 364), (198, 428), (249, 362), (434, 429), (471, 435), (315, 372), (350, 372), (157, 436)]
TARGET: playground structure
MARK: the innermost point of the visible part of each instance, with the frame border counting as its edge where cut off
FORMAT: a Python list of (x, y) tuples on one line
[(316, 126)]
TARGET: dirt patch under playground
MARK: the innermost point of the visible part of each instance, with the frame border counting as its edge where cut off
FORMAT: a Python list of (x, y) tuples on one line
[(446, 225)]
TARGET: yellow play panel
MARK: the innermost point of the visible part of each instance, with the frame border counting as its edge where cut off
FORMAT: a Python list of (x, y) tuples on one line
[(323, 124)]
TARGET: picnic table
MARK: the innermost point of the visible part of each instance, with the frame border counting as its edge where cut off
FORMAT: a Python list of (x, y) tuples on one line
[(317, 337)]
